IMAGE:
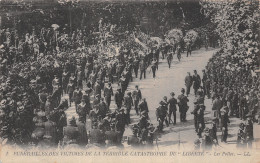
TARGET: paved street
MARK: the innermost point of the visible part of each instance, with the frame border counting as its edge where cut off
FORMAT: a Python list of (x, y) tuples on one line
[(167, 80)]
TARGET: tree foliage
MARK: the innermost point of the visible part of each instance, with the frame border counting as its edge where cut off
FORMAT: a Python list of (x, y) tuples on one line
[(237, 24)]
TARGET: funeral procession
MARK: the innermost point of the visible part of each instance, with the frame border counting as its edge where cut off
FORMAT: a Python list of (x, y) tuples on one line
[(130, 74)]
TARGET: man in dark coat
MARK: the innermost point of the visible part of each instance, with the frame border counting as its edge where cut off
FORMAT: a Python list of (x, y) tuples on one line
[(108, 93), (83, 137), (97, 88), (172, 107), (224, 123), (161, 113), (143, 106), (128, 103), (70, 90), (112, 136), (183, 105), (142, 69), (96, 137), (121, 121), (82, 110), (70, 132), (136, 66), (137, 96), (188, 83), (50, 130), (77, 96), (249, 130), (119, 98), (196, 82)]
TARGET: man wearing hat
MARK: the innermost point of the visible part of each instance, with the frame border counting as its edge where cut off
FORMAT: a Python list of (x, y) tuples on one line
[(96, 137), (172, 107), (123, 83), (143, 106), (82, 110), (128, 103), (196, 82), (183, 105), (153, 67), (121, 121), (161, 113), (224, 123), (43, 98), (136, 66), (70, 90), (133, 140), (119, 98), (50, 130), (112, 136), (48, 105), (70, 132), (137, 96), (97, 88), (143, 69), (77, 96), (188, 83), (207, 141), (83, 137), (249, 130)]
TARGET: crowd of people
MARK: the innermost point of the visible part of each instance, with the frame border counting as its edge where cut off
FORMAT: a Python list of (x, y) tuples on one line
[(40, 68)]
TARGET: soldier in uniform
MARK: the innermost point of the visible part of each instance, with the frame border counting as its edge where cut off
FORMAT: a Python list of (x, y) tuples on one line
[(108, 93), (188, 83), (183, 105), (137, 96), (172, 102)]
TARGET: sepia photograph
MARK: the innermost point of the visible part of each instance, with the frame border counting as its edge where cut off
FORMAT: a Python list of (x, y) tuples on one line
[(129, 81)]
